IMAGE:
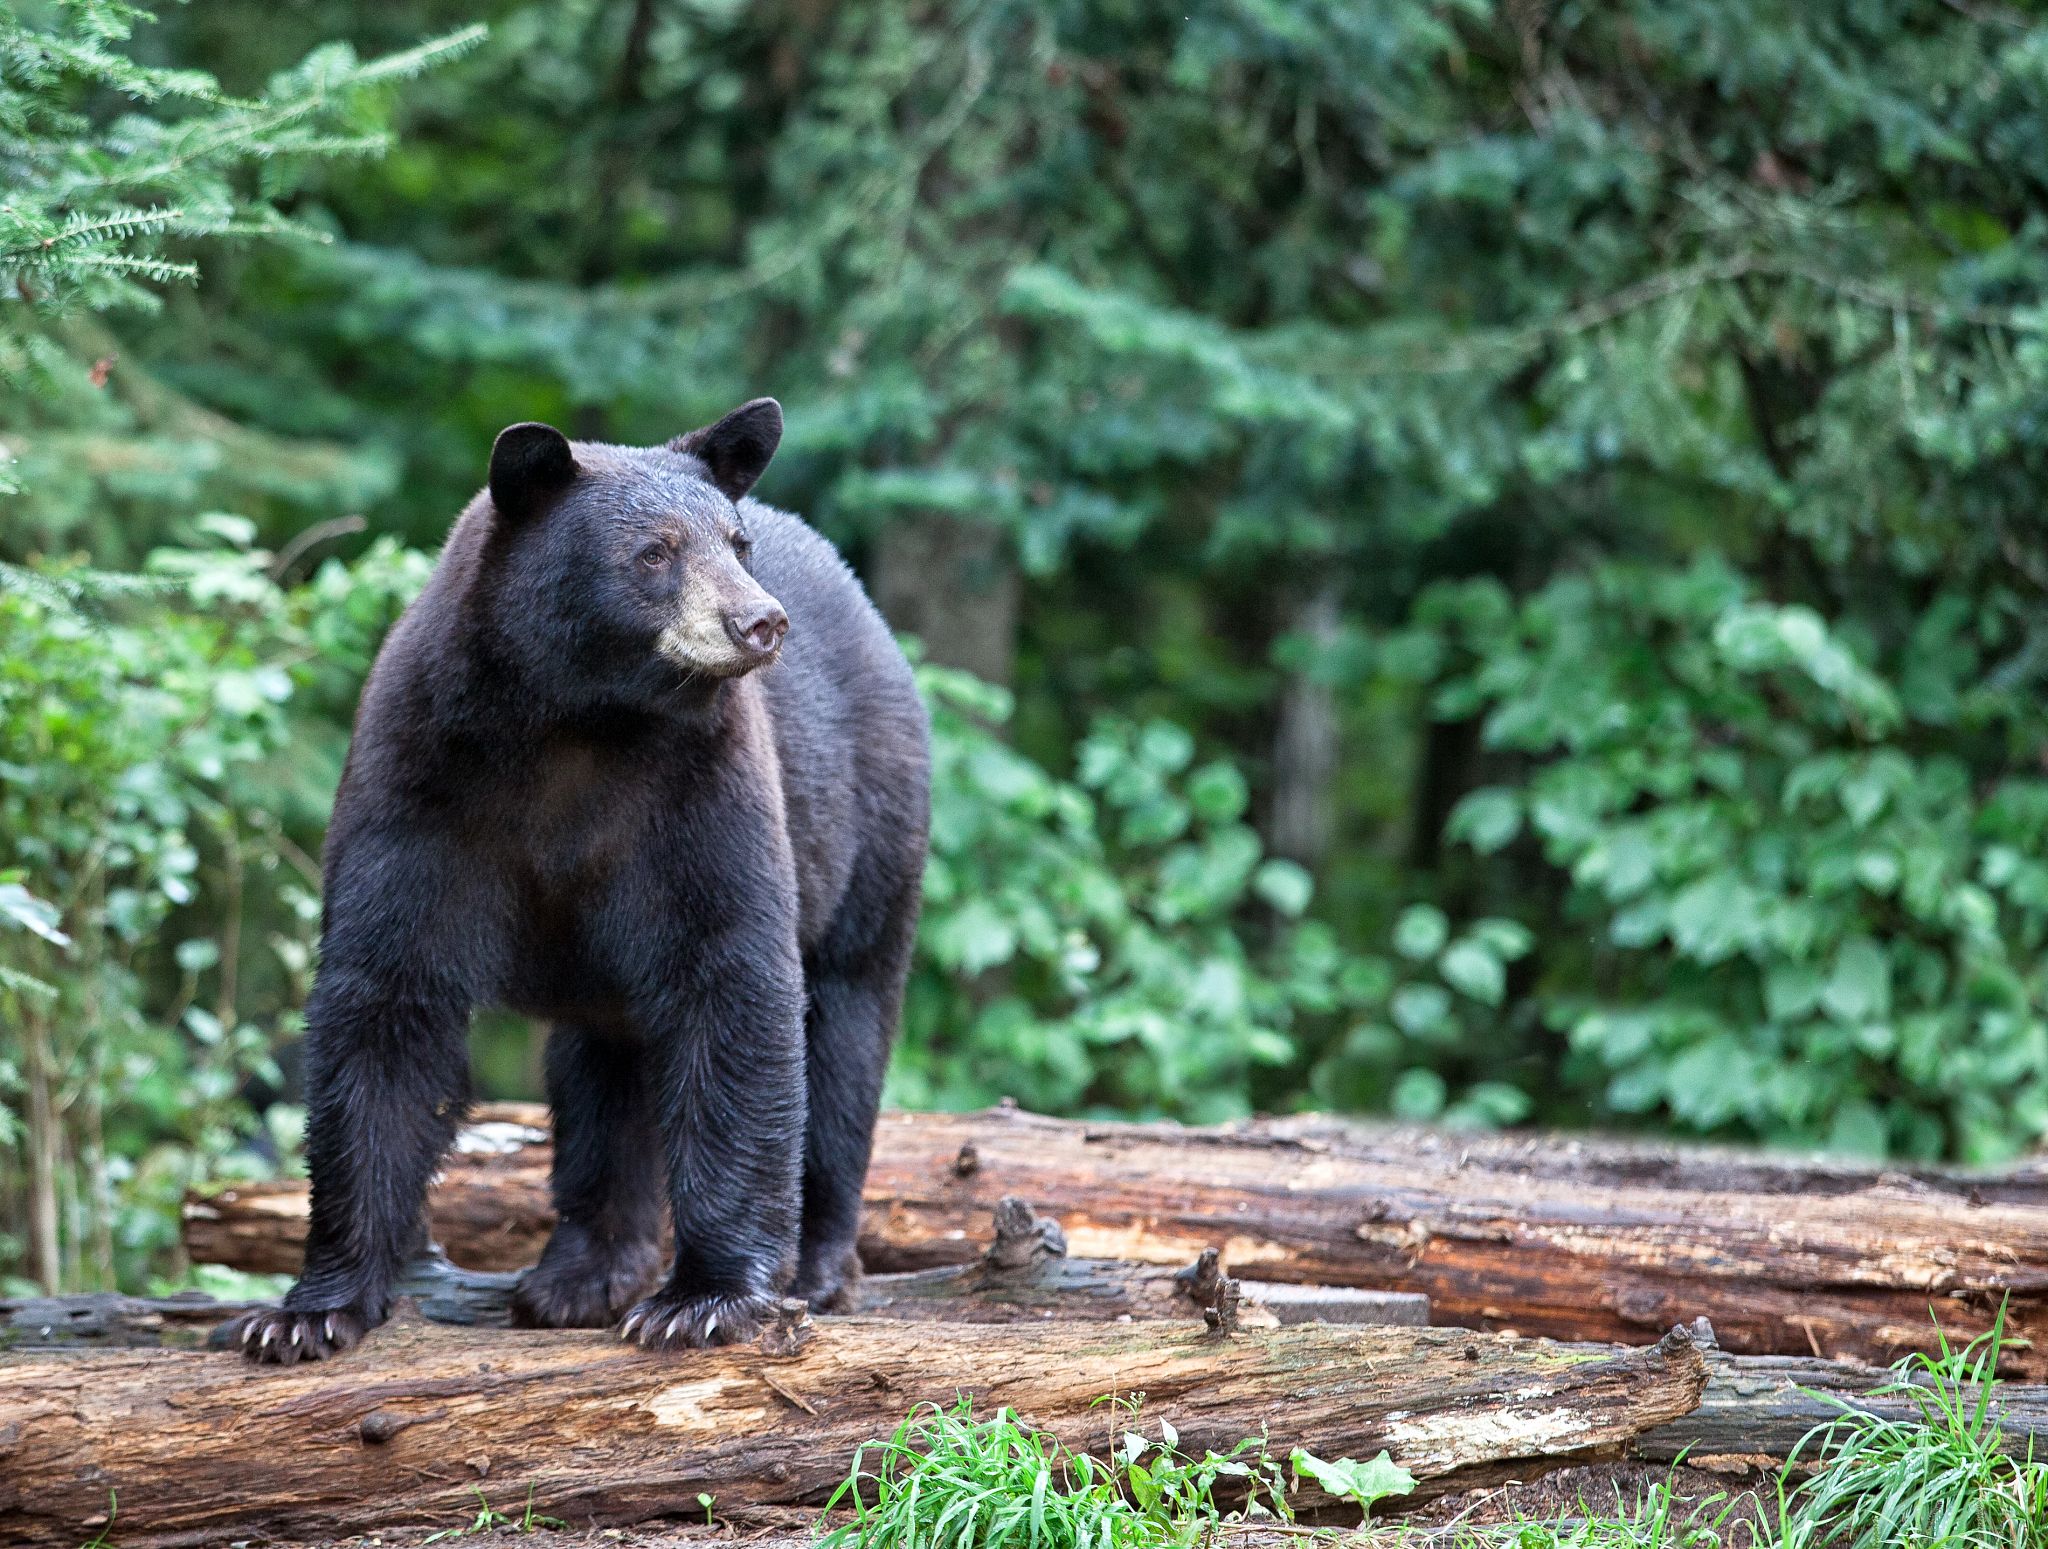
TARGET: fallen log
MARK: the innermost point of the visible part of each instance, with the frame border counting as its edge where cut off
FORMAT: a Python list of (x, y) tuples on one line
[(1755, 1410), (1758, 1408), (201, 1447), (1567, 1238), (1025, 1274)]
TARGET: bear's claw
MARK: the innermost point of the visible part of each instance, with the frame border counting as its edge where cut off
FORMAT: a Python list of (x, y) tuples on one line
[(285, 1336)]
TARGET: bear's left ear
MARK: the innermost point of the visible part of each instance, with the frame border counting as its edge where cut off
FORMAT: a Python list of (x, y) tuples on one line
[(738, 447), (529, 463)]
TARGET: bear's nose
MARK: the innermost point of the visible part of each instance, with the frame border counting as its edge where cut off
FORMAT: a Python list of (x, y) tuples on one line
[(758, 632)]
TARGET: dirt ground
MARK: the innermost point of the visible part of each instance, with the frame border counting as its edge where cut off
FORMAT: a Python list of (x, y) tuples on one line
[(1560, 1495), (1601, 1490)]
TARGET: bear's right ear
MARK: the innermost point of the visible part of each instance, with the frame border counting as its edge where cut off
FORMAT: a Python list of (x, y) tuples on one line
[(529, 463)]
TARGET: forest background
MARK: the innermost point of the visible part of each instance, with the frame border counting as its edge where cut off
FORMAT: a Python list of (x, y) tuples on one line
[(1476, 561)]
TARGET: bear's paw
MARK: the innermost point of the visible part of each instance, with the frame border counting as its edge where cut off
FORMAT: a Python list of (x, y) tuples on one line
[(668, 1321), (584, 1288)]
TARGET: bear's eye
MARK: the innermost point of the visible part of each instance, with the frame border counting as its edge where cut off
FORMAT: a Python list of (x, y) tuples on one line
[(655, 556), (742, 545)]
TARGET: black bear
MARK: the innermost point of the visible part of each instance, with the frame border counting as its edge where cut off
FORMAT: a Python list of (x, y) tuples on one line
[(592, 781)]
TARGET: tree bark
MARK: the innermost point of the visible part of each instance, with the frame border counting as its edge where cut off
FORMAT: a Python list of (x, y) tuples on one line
[(953, 584), (1567, 1238), (201, 1448), (45, 1249)]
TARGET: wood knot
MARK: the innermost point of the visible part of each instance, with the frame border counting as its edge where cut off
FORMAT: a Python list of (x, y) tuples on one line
[(1698, 1334), (968, 1162), (788, 1329), (1222, 1314), (1198, 1282), (1022, 1237), (380, 1425)]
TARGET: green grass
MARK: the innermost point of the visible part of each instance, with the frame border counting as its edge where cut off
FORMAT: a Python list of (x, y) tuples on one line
[(1939, 1479), (1658, 1519), (946, 1480), (489, 1519)]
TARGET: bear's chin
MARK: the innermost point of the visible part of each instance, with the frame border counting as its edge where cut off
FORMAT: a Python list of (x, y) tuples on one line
[(696, 669)]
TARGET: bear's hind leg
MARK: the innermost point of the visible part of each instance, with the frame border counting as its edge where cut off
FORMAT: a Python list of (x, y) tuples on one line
[(608, 1187), (855, 982)]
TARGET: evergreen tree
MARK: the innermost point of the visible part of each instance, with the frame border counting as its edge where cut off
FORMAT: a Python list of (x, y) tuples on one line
[(117, 174)]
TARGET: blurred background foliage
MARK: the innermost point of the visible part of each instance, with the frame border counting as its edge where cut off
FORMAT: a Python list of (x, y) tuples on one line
[(1476, 559)]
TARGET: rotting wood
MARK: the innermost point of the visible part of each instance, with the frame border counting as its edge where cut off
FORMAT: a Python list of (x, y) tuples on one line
[(202, 1448), (1755, 1411), (1570, 1238)]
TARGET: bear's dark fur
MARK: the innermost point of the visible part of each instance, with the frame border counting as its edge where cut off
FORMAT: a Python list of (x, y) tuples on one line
[(591, 782)]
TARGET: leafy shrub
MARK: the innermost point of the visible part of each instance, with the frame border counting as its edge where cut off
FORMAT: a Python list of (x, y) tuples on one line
[(169, 752), (1803, 894), (1120, 942), (114, 168)]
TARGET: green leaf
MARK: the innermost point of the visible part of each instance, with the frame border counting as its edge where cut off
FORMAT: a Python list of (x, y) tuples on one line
[(1376, 1479), (1421, 1009), (197, 954), (975, 937), (1285, 885), (1475, 970), (23, 910), (1487, 819), (1419, 1094), (1860, 988), (1421, 931), (1218, 793)]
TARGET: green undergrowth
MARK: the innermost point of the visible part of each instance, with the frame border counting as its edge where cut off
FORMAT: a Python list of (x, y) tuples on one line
[(1937, 1471), (949, 1480), (1944, 1476)]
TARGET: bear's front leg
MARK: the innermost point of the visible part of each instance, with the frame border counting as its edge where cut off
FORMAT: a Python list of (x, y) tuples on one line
[(727, 1046), (387, 1080)]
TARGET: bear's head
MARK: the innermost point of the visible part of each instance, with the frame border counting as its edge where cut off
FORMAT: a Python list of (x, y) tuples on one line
[(626, 568)]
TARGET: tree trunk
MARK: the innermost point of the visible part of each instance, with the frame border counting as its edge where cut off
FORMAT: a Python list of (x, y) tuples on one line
[(1303, 816), (201, 1448), (1568, 1238), (45, 1248), (953, 584)]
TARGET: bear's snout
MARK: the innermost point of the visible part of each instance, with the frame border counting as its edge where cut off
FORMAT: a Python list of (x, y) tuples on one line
[(758, 631)]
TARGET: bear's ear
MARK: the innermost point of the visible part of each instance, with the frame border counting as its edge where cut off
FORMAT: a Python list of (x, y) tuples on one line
[(738, 447), (529, 463)]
